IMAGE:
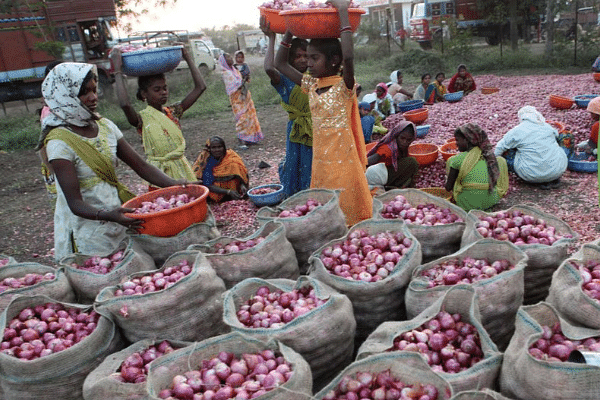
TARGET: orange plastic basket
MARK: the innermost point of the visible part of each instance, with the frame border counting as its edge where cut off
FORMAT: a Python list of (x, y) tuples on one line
[(560, 127), (489, 90), (563, 103), (451, 140), (596, 76), (448, 150), (424, 153), (417, 116), (275, 20), (313, 23), (170, 222)]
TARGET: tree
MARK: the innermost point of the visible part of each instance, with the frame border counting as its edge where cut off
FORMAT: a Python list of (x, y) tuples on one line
[(514, 29), (135, 8)]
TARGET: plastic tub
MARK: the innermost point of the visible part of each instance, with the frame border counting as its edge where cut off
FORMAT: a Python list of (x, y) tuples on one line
[(448, 150), (151, 61), (452, 97), (439, 192), (560, 102), (596, 76), (275, 20), (417, 116), (583, 100), (489, 90), (312, 23), (268, 199), (425, 153), (168, 223), (578, 163), (422, 131), (410, 105)]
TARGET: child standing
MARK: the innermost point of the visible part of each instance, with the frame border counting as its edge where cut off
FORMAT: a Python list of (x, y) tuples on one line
[(339, 156)]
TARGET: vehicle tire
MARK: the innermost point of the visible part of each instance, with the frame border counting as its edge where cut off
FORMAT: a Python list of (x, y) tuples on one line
[(425, 45), (492, 40), (105, 87), (204, 70)]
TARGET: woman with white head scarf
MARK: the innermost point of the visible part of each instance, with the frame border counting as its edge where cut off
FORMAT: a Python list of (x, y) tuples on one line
[(82, 148), (395, 88), (537, 156)]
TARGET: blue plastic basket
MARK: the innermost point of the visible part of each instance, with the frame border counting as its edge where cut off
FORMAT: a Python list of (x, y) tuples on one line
[(410, 105), (578, 163), (269, 199), (583, 100), (151, 61), (451, 97), (422, 131)]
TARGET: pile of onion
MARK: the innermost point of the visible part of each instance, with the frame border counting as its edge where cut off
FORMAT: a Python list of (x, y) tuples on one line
[(155, 281), (380, 386), (518, 228), (227, 377), (449, 345), (423, 214), (274, 309), (264, 190), (25, 281), (161, 204), (554, 346), (469, 270), (364, 257), (590, 273), (101, 265), (135, 367), (300, 210), (46, 329), (236, 246), (3, 262)]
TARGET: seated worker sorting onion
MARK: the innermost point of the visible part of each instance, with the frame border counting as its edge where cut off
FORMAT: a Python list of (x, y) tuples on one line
[(222, 171), (476, 177)]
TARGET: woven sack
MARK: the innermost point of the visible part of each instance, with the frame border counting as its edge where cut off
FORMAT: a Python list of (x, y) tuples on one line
[(162, 370), (525, 377), (161, 248), (58, 288), (101, 385), (578, 254), (436, 241), (407, 367), (543, 260), (191, 309), (6, 260), (311, 231), (483, 394), (498, 297), (373, 302), (566, 292), (88, 284), (272, 258), (59, 375), (324, 336), (460, 299)]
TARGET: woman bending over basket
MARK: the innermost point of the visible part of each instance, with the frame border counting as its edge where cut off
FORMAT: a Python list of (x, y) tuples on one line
[(476, 177)]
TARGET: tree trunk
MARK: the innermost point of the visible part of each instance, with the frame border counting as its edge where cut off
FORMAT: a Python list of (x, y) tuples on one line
[(550, 10), (514, 28)]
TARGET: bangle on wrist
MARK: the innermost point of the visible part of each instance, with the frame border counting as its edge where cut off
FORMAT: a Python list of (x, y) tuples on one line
[(285, 44), (346, 29)]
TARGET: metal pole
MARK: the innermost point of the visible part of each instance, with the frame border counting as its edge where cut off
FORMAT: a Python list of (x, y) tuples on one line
[(387, 27), (576, 23)]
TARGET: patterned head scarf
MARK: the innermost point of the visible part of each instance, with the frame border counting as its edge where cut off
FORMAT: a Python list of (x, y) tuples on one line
[(231, 76), (594, 105), (202, 159), (382, 86), (390, 140), (529, 113), (477, 137)]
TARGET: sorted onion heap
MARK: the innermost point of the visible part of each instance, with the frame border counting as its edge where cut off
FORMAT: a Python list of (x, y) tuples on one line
[(25, 281), (46, 329), (423, 214), (380, 386), (236, 246), (101, 265), (300, 210), (590, 273), (294, 4), (155, 281), (364, 257), (274, 309), (135, 367), (448, 344), (227, 377), (161, 204), (554, 346), (3, 262), (264, 190), (468, 270)]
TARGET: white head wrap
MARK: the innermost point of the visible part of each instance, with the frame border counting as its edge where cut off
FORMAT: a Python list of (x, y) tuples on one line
[(394, 76), (377, 176), (370, 97), (529, 113)]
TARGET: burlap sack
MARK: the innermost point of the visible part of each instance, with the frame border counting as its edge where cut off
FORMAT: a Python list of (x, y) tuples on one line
[(58, 289), (60, 375), (436, 241), (566, 292), (407, 367), (578, 253), (324, 336), (6, 259), (498, 297), (100, 385), (373, 302), (459, 299), (191, 309), (308, 233), (162, 370), (161, 248), (88, 284), (483, 394), (543, 260), (273, 258), (525, 377)]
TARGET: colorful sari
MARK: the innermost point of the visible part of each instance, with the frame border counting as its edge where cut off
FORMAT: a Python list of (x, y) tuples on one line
[(458, 83)]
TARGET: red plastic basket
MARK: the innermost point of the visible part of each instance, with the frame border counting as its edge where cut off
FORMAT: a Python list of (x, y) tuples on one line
[(417, 116), (425, 153), (596, 76), (446, 150), (313, 23), (563, 103), (275, 20)]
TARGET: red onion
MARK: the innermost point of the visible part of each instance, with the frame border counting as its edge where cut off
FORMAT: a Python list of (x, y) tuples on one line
[(4, 261), (236, 246), (101, 265), (590, 274), (155, 281), (134, 368), (468, 270), (25, 281), (300, 210), (161, 204), (423, 214), (554, 346)]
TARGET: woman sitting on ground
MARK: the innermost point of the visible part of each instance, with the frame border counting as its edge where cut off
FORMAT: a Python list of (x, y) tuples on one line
[(477, 178), (462, 80), (222, 171), (422, 92)]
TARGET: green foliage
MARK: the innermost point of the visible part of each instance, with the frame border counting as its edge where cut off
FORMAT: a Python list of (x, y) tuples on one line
[(19, 133), (370, 29), (53, 48), (417, 62), (226, 37), (460, 44)]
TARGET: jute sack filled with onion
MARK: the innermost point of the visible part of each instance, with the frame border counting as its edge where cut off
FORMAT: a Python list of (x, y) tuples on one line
[(474, 364), (112, 379), (390, 369), (373, 301), (543, 259), (57, 287), (161, 248), (438, 239), (483, 394), (6, 260), (245, 356), (188, 309), (60, 374), (323, 335), (569, 281), (499, 295), (579, 253), (310, 231), (524, 376), (88, 284), (269, 255)]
